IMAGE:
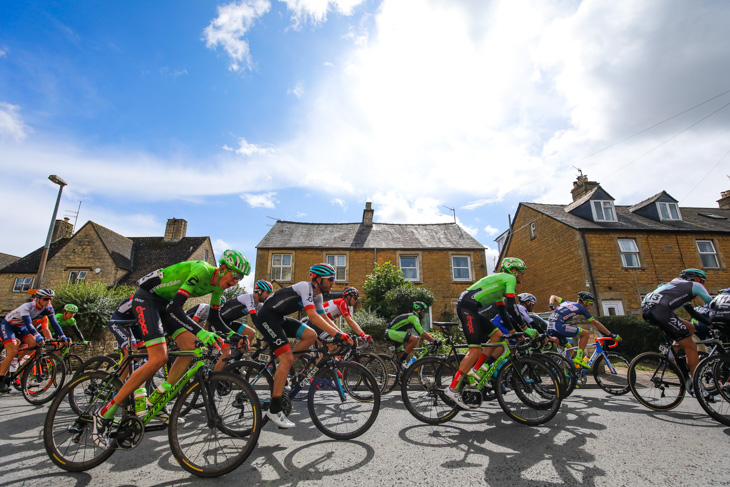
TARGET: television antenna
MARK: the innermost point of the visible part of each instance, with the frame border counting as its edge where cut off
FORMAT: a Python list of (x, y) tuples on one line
[(75, 214), (452, 211)]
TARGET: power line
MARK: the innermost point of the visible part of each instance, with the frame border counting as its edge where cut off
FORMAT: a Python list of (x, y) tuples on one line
[(707, 174)]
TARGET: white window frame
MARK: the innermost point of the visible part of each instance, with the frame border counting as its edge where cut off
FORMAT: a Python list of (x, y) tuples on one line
[(712, 254), (417, 267), (667, 207), (22, 284), (454, 267), (603, 206), (76, 276), (338, 267), (625, 253), (616, 305), (281, 266)]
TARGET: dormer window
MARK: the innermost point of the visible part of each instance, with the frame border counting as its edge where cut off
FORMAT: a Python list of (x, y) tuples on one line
[(669, 211), (603, 211)]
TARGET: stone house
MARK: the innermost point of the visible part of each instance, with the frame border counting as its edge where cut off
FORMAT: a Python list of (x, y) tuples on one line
[(618, 253), (444, 258), (96, 254)]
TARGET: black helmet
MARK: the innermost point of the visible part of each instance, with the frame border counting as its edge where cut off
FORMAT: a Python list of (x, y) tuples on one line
[(585, 296), (689, 274)]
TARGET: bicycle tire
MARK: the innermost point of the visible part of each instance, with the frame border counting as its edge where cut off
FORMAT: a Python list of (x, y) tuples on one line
[(558, 368), (43, 378), (394, 372), (422, 389), (612, 377), (100, 362), (528, 391), (712, 388), (651, 375), (74, 364), (567, 368), (377, 367), (347, 412), (262, 382), (214, 447), (83, 396)]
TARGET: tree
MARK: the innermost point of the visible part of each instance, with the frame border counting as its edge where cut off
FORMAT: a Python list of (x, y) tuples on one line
[(234, 291), (385, 277), (96, 303)]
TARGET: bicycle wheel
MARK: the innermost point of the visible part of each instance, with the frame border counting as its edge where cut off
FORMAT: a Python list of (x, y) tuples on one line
[(344, 400), (218, 436), (73, 363), (394, 371), (712, 386), (528, 391), (422, 389), (558, 369), (656, 382), (375, 366), (612, 375), (68, 425), (567, 369), (101, 362), (43, 378), (262, 383)]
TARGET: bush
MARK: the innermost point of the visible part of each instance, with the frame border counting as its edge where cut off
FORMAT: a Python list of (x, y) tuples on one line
[(385, 277), (371, 323), (96, 304), (400, 300), (637, 335), (233, 292)]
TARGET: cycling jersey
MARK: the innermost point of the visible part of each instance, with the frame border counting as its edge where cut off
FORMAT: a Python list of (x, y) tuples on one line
[(659, 305), (71, 323), (237, 308), (720, 307), (337, 307), (26, 313), (291, 299), (123, 313), (497, 320), (189, 278), (566, 311), (199, 311)]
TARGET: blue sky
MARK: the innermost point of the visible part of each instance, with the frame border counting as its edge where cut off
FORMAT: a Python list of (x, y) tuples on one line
[(227, 113)]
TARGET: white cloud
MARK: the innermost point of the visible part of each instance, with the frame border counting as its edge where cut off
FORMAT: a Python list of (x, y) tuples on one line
[(3, 52), (297, 91), (316, 10), (492, 258), (264, 200), (247, 149), (491, 231), (11, 124), (229, 28), (340, 202)]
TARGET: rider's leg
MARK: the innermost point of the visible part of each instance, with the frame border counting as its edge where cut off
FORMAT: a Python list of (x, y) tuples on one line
[(412, 342)]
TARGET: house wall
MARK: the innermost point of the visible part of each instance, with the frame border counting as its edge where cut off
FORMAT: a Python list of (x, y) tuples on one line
[(435, 270)]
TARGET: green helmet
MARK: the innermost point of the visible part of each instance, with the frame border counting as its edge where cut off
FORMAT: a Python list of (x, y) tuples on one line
[(510, 264), (689, 274), (419, 305), (235, 261), (71, 308)]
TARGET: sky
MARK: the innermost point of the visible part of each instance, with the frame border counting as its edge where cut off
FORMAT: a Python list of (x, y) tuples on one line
[(232, 115)]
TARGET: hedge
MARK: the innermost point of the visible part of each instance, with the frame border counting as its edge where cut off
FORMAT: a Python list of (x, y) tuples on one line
[(637, 335)]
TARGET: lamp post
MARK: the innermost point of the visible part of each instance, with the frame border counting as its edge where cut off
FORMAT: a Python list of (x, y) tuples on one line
[(44, 257)]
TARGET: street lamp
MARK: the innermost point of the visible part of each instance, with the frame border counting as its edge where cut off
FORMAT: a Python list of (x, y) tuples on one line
[(44, 257)]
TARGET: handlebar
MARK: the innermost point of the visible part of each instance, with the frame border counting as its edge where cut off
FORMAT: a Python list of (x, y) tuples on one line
[(602, 339)]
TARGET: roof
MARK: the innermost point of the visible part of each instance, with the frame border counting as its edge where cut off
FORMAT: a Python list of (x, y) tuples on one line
[(693, 219), (31, 262), (7, 259), (151, 253), (651, 200), (286, 234), (118, 246)]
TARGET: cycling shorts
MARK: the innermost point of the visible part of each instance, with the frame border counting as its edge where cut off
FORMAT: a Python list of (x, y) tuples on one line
[(11, 332), (120, 333), (277, 329), (562, 329), (321, 334), (670, 324), (155, 322), (476, 327), (397, 337)]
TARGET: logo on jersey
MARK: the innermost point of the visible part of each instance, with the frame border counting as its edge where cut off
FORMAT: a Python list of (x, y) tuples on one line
[(193, 281), (140, 317)]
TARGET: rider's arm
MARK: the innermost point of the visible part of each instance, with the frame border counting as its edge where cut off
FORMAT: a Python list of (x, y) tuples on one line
[(555, 301), (29, 325), (699, 290), (56, 327), (175, 308), (215, 321), (416, 323), (694, 314), (511, 307), (320, 321)]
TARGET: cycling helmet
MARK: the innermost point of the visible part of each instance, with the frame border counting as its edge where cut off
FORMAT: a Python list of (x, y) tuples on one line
[(262, 285), (351, 291), (71, 308), (527, 298), (724, 291), (419, 305), (45, 293), (321, 270), (235, 261), (586, 296), (689, 274), (510, 264)]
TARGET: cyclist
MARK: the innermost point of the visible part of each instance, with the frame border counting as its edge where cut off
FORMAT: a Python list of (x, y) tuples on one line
[(247, 304), (123, 313), (499, 289), (659, 306), (565, 311), (720, 308), (272, 322), (524, 300), (398, 331), (335, 308), (64, 319), (17, 327), (158, 307)]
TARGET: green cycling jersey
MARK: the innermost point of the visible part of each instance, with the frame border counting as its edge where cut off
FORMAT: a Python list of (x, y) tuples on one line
[(405, 322), (190, 278), (69, 322), (491, 289)]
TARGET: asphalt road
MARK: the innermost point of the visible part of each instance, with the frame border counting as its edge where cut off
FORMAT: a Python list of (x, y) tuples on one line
[(595, 439)]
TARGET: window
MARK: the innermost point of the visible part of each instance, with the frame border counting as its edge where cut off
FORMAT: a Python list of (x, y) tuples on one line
[(603, 211), (707, 253), (76, 276), (629, 252), (668, 211), (339, 262), (409, 266), (205, 255), (613, 308), (281, 267), (22, 284), (461, 267), (533, 230)]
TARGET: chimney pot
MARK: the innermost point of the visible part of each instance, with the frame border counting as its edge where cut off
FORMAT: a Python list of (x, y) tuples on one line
[(175, 230)]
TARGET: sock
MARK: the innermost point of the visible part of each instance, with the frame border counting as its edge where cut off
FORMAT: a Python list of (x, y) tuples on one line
[(275, 405), (480, 361), (457, 379)]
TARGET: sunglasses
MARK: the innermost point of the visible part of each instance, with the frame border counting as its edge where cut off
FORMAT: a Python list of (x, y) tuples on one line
[(45, 299), (331, 279), (237, 276)]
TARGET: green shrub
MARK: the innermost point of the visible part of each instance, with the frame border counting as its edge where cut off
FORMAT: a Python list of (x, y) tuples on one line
[(385, 277), (371, 323), (400, 299), (637, 335), (96, 304)]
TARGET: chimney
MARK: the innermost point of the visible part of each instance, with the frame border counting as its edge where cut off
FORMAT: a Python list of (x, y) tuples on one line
[(175, 230), (62, 229), (367, 215), (724, 202), (582, 186)]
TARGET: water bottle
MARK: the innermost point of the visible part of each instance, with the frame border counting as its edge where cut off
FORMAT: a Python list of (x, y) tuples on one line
[(140, 402), (410, 362), (161, 389)]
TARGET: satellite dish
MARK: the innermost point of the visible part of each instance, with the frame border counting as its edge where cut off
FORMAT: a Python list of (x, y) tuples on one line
[(97, 270)]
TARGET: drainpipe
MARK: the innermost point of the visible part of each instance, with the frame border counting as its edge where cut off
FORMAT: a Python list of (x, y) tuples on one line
[(590, 273)]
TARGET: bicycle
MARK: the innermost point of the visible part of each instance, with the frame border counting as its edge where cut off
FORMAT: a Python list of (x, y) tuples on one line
[(609, 369), (343, 397), (218, 434), (527, 389), (657, 381), (712, 385), (74, 363), (40, 376)]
